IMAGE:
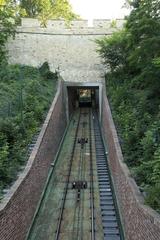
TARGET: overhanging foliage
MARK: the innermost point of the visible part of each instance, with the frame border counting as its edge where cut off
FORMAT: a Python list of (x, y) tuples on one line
[(133, 88)]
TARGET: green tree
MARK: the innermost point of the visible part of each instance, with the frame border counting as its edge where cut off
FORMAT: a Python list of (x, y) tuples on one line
[(25, 96), (48, 9), (34, 8), (62, 9), (7, 19), (133, 88), (114, 50)]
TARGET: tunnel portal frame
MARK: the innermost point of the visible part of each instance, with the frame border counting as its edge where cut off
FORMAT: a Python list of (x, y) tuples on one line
[(83, 85)]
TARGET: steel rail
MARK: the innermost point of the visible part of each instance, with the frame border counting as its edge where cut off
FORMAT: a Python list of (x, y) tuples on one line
[(91, 181), (67, 183), (83, 178), (80, 178)]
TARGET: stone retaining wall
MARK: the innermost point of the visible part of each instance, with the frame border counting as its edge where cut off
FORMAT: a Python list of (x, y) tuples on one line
[(99, 26), (70, 49), (19, 205), (139, 221)]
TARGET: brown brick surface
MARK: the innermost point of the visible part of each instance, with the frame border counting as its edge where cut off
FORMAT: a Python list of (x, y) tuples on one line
[(139, 221), (17, 213)]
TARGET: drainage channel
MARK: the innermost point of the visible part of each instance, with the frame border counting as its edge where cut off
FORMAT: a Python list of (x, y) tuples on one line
[(109, 214)]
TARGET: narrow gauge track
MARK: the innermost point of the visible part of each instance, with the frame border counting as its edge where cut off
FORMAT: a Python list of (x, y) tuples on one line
[(83, 136), (66, 186), (78, 200)]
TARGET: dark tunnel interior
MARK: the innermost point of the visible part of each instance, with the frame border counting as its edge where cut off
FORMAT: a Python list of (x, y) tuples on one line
[(82, 97)]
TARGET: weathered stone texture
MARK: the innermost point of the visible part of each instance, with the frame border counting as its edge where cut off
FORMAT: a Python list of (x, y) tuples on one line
[(71, 49), (18, 207), (139, 221)]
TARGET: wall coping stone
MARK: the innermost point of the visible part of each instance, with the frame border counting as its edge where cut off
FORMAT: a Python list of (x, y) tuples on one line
[(100, 27)]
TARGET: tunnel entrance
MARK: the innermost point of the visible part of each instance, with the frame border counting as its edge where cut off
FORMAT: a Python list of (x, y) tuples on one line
[(86, 97), (81, 95)]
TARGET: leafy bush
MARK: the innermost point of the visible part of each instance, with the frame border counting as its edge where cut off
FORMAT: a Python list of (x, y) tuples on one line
[(45, 71), (133, 88), (25, 97), (153, 197), (7, 24)]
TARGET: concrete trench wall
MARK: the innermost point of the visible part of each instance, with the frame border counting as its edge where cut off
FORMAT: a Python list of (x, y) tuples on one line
[(139, 221), (72, 95), (19, 205)]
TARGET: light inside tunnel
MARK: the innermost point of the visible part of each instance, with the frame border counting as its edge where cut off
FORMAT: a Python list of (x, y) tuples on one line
[(84, 95)]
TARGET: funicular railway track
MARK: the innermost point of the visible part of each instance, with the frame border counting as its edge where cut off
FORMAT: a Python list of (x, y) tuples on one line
[(73, 200), (82, 137)]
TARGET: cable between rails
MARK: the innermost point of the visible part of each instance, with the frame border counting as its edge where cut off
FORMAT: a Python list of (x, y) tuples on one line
[(91, 182), (67, 182), (79, 209)]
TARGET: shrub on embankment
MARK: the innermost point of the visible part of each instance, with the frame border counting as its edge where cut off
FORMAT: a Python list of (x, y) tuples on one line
[(25, 92), (133, 89), (25, 97)]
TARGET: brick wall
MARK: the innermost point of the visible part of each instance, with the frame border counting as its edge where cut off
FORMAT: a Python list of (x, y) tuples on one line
[(19, 205), (139, 221)]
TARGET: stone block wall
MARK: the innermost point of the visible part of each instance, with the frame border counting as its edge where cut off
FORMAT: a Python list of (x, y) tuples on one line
[(69, 48), (19, 205), (100, 26), (139, 221)]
